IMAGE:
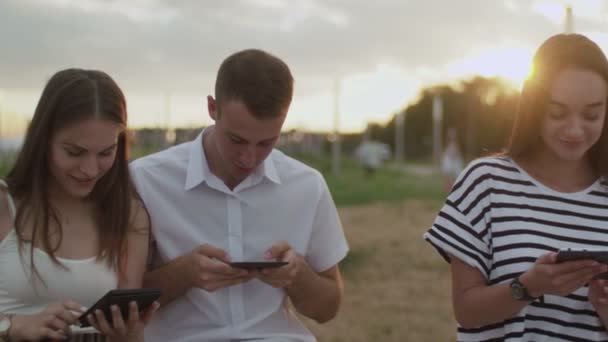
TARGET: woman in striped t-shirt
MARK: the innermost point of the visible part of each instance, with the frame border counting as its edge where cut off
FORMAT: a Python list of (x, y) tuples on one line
[(506, 216)]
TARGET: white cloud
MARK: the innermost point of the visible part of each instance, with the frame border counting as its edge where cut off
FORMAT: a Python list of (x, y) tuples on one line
[(158, 47), (137, 10)]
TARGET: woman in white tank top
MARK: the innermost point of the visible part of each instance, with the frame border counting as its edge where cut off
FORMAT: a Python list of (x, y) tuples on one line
[(71, 224)]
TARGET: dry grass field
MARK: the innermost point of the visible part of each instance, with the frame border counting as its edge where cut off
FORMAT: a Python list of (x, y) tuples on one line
[(397, 288)]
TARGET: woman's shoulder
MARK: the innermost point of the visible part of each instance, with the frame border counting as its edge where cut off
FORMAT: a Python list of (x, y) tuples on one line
[(492, 162), (494, 165), (484, 173), (140, 220)]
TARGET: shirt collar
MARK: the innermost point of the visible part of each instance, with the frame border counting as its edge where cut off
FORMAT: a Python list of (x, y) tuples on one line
[(198, 166), (270, 170)]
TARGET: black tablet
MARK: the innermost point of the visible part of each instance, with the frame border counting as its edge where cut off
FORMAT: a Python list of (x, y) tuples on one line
[(121, 297)]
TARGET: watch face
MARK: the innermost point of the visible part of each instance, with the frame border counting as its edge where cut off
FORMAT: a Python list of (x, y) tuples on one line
[(517, 291)]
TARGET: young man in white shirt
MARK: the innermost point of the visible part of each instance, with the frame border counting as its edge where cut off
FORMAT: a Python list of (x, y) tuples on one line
[(230, 196)]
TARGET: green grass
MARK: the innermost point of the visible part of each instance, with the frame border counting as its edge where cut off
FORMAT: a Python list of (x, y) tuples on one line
[(351, 186), (389, 184), (355, 259), (138, 151), (6, 162)]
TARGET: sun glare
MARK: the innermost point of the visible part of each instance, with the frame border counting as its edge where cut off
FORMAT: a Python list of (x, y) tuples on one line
[(371, 96), (508, 62)]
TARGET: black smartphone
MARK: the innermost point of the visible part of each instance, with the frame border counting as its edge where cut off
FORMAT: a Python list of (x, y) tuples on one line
[(257, 265), (582, 254), (121, 297)]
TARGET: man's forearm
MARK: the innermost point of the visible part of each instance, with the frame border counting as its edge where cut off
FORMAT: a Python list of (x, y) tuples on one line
[(316, 296), (170, 278)]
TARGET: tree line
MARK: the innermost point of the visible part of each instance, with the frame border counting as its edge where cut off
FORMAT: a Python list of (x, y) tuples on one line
[(481, 110)]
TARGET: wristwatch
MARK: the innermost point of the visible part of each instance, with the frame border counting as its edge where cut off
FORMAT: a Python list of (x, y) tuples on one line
[(519, 291), (5, 326)]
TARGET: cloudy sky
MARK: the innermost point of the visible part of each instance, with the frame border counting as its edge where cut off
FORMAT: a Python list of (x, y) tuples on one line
[(165, 54)]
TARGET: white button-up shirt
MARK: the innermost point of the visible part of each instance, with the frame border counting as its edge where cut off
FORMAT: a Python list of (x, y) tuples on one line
[(188, 205)]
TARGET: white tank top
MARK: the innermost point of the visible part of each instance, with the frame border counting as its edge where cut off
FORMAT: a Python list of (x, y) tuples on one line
[(21, 292)]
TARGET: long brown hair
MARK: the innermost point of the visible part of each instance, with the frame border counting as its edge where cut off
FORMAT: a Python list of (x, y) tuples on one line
[(557, 53), (69, 97)]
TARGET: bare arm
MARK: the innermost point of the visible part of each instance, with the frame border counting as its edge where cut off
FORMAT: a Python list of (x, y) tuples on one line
[(314, 294), (173, 278), (317, 295), (471, 294), (134, 264), (206, 267)]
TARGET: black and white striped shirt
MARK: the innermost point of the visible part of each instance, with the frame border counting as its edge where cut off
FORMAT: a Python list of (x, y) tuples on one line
[(499, 220)]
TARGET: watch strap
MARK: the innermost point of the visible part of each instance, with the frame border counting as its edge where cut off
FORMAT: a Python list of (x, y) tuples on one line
[(524, 294)]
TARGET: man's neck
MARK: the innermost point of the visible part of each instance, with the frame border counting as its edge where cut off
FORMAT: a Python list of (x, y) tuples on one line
[(213, 159)]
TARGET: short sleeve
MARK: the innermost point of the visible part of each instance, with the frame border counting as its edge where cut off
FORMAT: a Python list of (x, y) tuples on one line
[(462, 227), (327, 244)]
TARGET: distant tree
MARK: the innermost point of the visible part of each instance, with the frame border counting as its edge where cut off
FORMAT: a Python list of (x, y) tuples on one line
[(480, 109)]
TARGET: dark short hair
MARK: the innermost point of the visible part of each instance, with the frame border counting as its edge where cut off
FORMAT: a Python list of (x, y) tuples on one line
[(557, 53), (260, 80)]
